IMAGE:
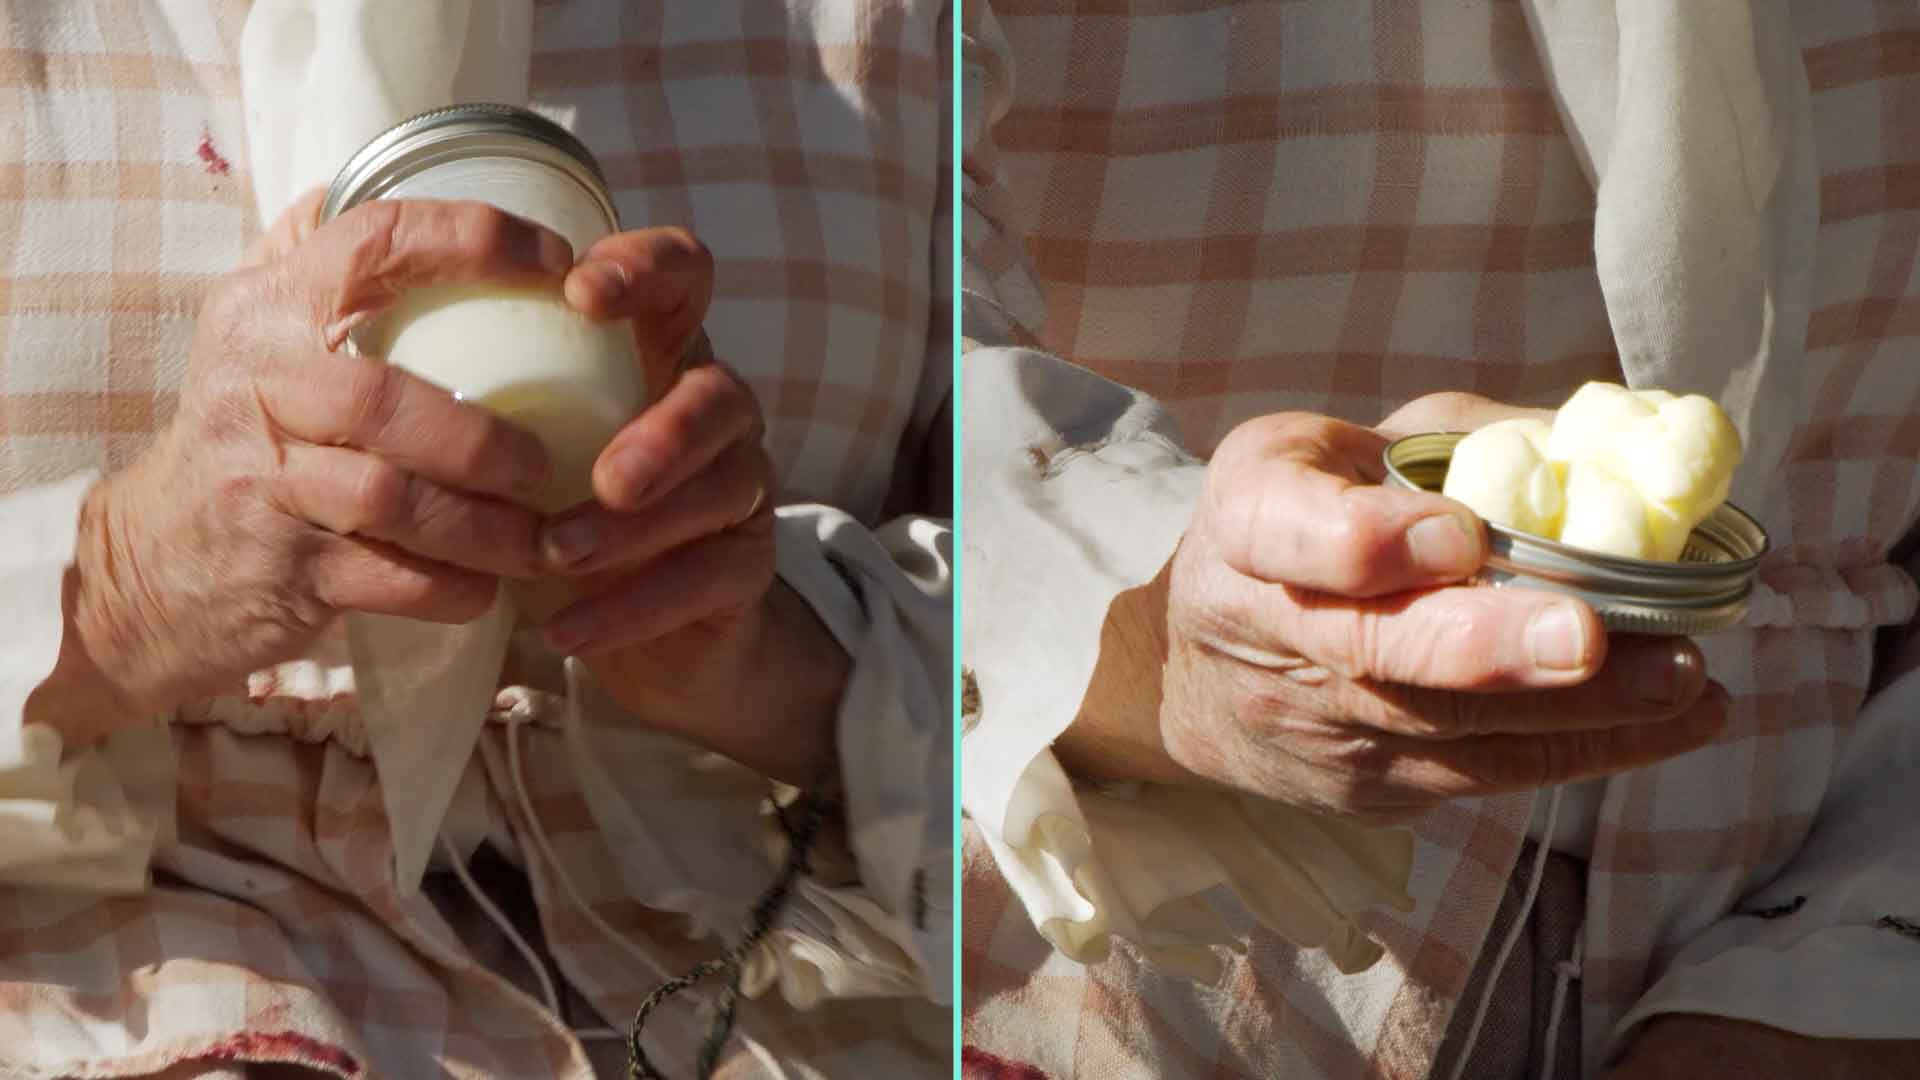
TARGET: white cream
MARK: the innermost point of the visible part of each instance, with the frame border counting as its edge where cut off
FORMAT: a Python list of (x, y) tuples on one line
[(522, 353)]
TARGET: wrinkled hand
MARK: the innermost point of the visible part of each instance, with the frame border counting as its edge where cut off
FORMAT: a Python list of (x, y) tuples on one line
[(1684, 1046), (296, 481), (677, 609), (1319, 648)]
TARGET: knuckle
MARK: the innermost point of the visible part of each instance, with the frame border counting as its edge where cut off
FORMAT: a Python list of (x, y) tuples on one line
[(1366, 651), (478, 441), (480, 229), (301, 608), (1247, 439), (1447, 410), (375, 231), (433, 510), (1450, 403), (373, 400), (1550, 757), (383, 499), (672, 434), (1475, 631), (1354, 543)]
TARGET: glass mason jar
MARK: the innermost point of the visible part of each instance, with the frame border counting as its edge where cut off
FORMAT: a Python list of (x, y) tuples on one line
[(518, 351)]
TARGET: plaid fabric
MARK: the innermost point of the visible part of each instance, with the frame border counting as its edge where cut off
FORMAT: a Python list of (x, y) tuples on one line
[(806, 144), (1245, 207)]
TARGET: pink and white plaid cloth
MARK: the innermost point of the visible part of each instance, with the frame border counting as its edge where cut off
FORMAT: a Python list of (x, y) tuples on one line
[(808, 146), (1245, 207)]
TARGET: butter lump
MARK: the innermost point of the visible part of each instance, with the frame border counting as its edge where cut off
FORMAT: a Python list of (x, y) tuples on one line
[(1605, 514), (1503, 474), (1619, 471), (1681, 460), (1591, 418)]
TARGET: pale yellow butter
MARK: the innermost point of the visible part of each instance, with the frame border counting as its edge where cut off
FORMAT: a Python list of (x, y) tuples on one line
[(1619, 471), (1503, 473)]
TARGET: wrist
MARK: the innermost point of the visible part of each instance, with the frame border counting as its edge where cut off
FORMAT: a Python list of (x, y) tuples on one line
[(798, 674), (761, 687), (1116, 734), (90, 693)]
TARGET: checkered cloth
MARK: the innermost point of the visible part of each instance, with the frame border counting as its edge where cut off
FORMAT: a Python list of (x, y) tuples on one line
[(1246, 207), (808, 146)]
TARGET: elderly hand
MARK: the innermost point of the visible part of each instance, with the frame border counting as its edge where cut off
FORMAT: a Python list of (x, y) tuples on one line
[(1320, 649), (676, 608), (297, 482), (1683, 1046)]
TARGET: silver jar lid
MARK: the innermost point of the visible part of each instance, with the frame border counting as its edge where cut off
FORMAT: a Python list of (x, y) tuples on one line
[(456, 132), (1704, 592)]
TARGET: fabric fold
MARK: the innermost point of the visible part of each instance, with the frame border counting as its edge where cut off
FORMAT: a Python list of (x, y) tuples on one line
[(1694, 123), (73, 818), (1843, 916)]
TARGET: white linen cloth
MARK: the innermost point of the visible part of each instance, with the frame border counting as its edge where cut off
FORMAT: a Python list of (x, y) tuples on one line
[(318, 81)]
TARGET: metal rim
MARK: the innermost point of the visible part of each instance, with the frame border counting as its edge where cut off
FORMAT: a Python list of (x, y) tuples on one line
[(421, 142)]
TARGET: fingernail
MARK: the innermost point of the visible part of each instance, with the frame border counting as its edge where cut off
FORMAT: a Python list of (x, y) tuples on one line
[(1557, 639), (634, 471), (572, 542), (1665, 676), (555, 255), (605, 279), (1444, 543)]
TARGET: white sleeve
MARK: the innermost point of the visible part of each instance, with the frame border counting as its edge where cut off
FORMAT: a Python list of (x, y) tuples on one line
[(887, 596), (1076, 489), (86, 820), (690, 835), (1831, 947)]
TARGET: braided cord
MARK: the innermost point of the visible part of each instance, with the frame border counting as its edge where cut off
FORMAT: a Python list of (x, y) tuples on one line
[(800, 841)]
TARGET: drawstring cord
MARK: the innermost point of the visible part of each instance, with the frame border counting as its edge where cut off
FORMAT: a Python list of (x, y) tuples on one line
[(1541, 851), (801, 835), (1564, 973), (800, 841)]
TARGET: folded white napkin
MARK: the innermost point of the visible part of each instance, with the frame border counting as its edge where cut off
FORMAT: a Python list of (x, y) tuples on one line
[(319, 79), (1693, 121)]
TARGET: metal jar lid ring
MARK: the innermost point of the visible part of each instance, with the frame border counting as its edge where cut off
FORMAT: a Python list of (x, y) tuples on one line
[(456, 132)]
